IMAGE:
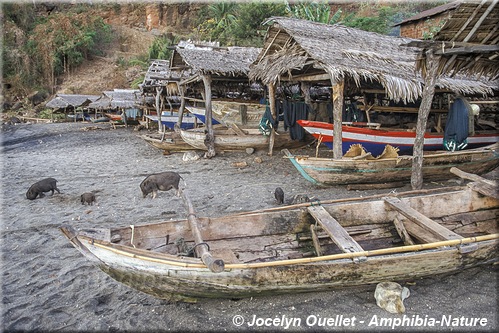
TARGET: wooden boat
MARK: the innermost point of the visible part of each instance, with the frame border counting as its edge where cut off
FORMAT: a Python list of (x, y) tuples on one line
[(361, 168), (374, 140), (229, 112), (236, 138), (200, 113), (169, 141), (302, 248), (169, 119)]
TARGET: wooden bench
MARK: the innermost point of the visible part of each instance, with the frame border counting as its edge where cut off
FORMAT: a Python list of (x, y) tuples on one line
[(424, 228), (337, 233)]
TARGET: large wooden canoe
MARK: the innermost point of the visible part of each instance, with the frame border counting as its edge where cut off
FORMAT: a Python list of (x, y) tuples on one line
[(303, 248), (363, 170), (229, 139), (231, 112)]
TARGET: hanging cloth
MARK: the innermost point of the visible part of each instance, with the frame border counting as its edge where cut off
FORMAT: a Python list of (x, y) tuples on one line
[(267, 122), (457, 126)]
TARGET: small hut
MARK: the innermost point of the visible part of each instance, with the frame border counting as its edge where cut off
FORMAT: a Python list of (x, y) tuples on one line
[(119, 104), (70, 103), (213, 70), (349, 60)]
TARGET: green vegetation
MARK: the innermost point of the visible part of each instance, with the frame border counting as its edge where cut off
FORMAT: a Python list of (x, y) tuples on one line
[(38, 48)]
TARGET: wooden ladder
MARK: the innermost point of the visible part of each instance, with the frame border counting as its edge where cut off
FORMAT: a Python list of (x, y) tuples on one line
[(422, 228), (337, 233)]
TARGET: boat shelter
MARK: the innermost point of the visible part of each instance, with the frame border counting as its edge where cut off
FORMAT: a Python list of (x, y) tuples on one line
[(119, 102), (70, 102), (212, 70), (348, 60)]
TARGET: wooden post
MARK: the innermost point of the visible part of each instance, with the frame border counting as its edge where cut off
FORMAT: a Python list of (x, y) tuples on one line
[(215, 265), (430, 78), (274, 116), (243, 114), (159, 90), (338, 88), (209, 141), (181, 110)]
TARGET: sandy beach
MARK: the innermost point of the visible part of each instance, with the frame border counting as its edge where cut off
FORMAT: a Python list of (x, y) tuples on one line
[(47, 285)]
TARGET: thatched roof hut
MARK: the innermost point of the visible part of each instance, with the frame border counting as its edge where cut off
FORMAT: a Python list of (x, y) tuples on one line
[(118, 99), (302, 50), (63, 101)]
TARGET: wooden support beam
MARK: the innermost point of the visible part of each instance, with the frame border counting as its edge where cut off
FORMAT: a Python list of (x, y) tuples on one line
[(273, 112), (315, 240), (210, 136), (337, 233), (402, 231), (337, 96), (431, 230), (430, 80)]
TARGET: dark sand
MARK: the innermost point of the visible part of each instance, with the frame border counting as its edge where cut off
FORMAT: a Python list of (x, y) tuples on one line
[(47, 285)]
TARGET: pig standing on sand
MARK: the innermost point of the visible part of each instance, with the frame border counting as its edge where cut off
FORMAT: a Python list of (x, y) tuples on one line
[(88, 198), (44, 185), (163, 181)]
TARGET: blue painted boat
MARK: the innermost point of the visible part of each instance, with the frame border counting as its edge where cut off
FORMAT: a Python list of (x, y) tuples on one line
[(169, 119)]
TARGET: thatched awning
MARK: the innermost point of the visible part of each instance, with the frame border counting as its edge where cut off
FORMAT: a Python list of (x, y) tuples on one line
[(61, 101), (159, 74), (301, 50), (118, 98), (220, 61)]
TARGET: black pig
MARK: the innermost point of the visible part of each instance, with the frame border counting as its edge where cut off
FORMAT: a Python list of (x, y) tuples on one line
[(279, 195), (88, 198), (163, 181), (44, 185)]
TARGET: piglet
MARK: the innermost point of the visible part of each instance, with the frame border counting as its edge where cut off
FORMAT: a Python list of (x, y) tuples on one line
[(88, 198)]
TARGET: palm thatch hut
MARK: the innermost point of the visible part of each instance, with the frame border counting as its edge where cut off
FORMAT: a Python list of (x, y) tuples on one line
[(70, 102), (124, 102), (212, 69), (161, 85), (346, 59)]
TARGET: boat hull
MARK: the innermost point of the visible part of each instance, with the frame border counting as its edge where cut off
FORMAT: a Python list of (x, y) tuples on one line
[(375, 140), (124, 253), (170, 142), (436, 166), (170, 120), (228, 140)]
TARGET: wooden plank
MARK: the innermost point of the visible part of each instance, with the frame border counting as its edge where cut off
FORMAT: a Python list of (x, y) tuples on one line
[(485, 189), (473, 177), (426, 223), (337, 233), (315, 240), (404, 235)]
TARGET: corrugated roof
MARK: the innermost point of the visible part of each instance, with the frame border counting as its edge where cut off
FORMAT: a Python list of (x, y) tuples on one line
[(430, 13)]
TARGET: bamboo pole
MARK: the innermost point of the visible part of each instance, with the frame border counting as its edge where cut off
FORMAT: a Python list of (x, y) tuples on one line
[(301, 261)]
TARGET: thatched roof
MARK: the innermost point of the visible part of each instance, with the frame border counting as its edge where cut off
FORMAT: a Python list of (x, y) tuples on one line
[(118, 98), (61, 101), (159, 74), (219, 61), (303, 50), (468, 41)]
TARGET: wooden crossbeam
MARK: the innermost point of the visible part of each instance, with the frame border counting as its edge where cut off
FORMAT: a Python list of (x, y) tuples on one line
[(424, 222), (424, 228), (337, 233)]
